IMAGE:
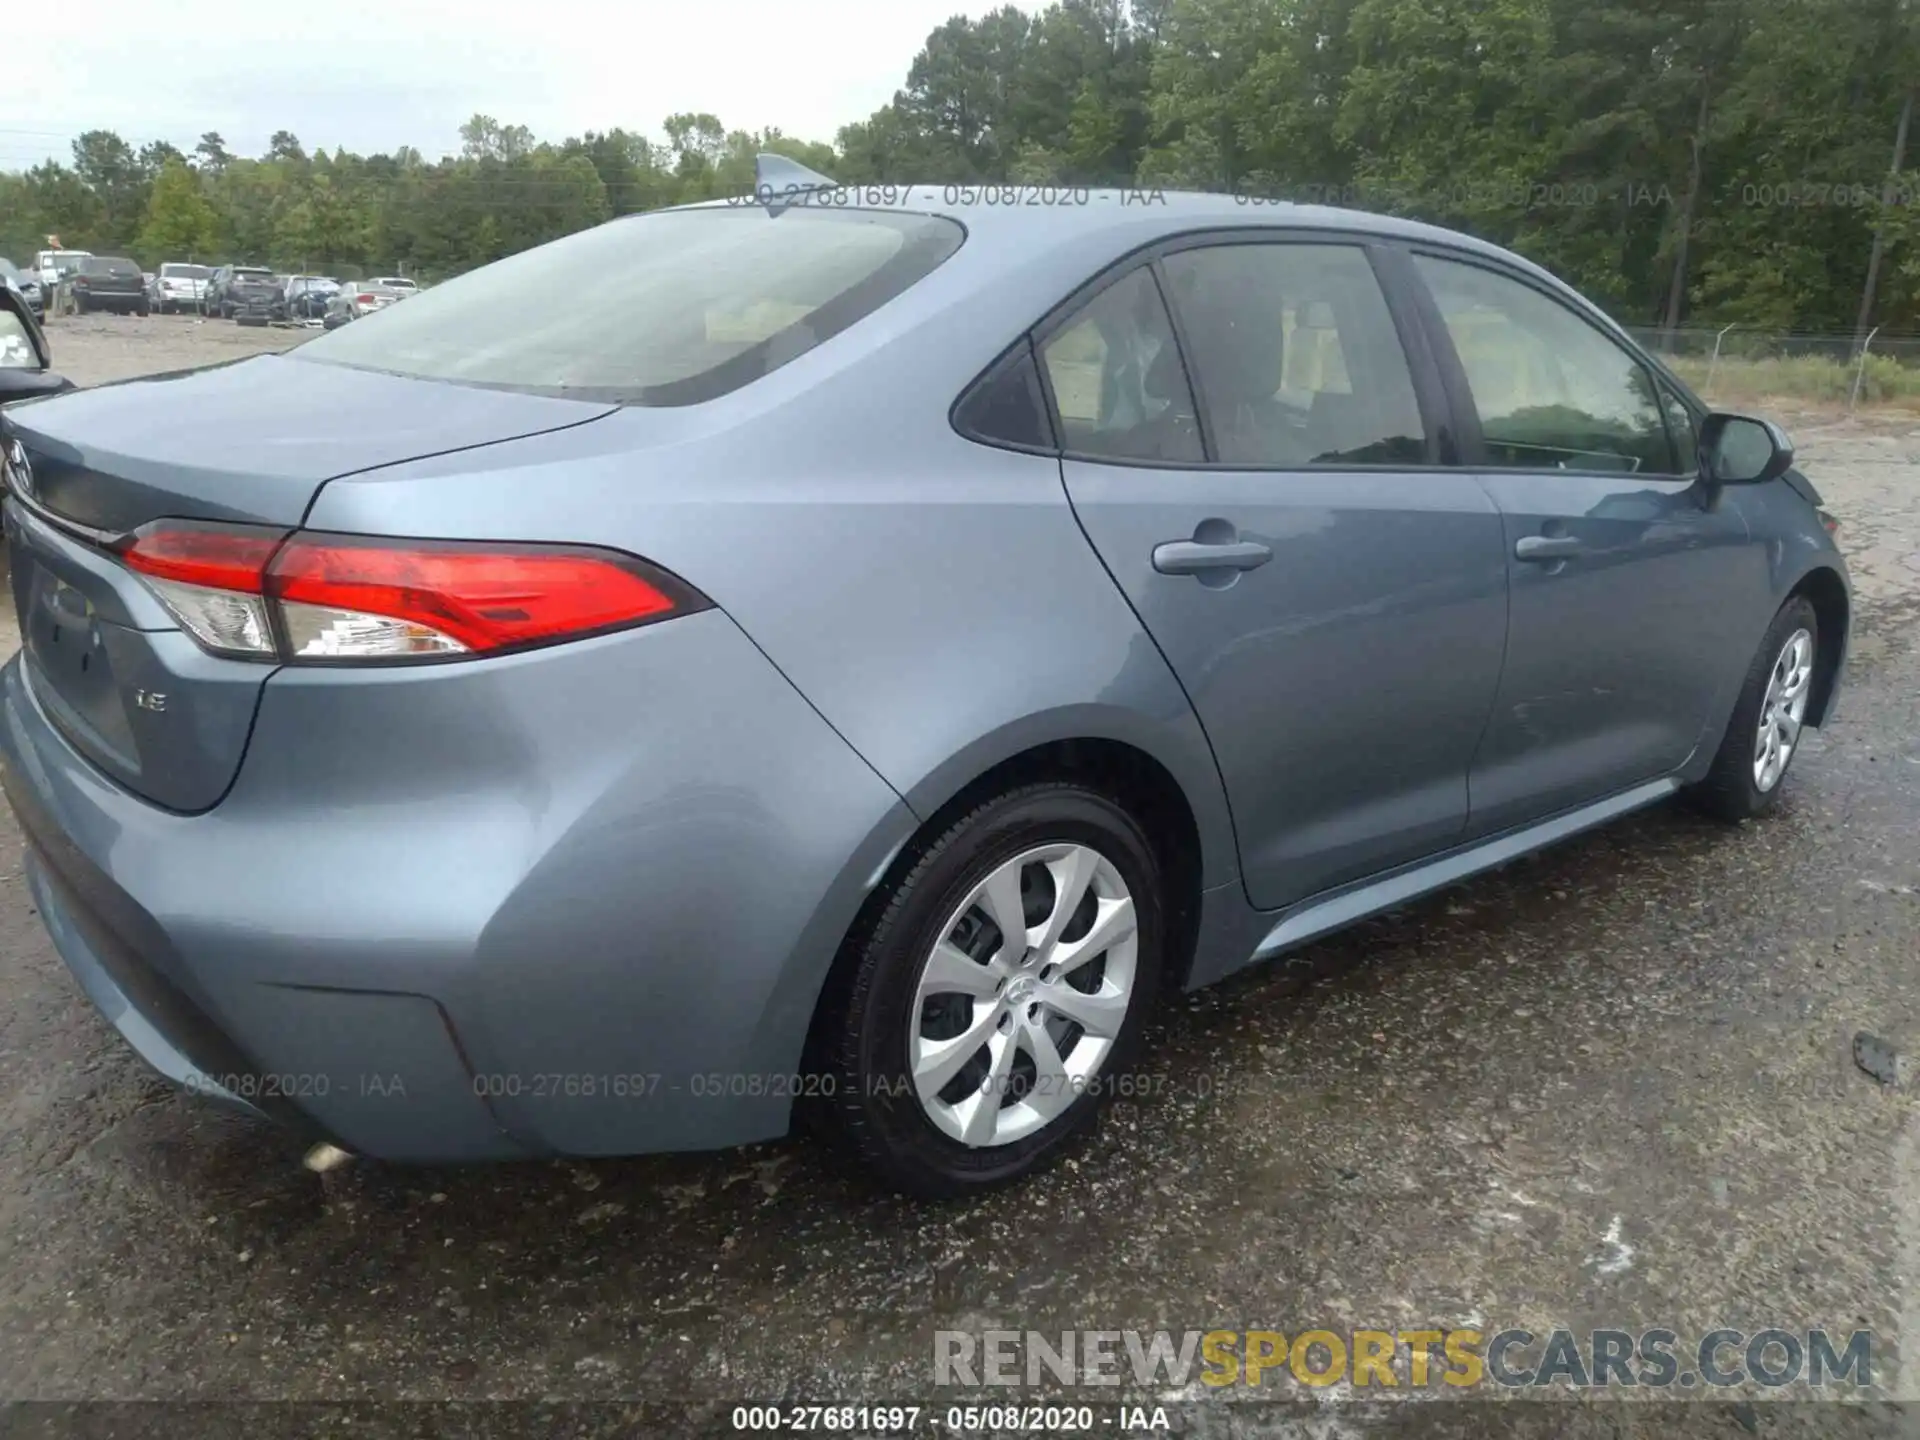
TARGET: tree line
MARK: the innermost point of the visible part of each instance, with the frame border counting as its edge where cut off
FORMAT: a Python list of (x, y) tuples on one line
[(1679, 160)]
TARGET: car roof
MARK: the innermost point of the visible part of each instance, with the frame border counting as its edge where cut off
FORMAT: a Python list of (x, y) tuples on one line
[(1030, 209), (1025, 218), (1029, 249)]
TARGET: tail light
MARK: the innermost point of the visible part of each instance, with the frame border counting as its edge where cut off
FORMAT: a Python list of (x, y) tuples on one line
[(1830, 521), (261, 594), (364, 299)]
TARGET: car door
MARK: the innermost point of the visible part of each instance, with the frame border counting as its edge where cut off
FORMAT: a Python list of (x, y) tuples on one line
[(1267, 491), (1629, 578)]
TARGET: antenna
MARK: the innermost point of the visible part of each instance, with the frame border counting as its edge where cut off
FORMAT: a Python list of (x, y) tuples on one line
[(776, 179)]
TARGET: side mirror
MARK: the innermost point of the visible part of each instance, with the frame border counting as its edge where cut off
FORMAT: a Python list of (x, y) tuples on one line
[(1742, 450), (24, 355)]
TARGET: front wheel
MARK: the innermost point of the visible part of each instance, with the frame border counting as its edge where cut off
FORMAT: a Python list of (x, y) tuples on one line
[(1764, 734), (977, 1024)]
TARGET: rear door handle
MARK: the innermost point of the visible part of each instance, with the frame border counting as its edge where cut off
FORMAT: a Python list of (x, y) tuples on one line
[(1545, 547), (1196, 557)]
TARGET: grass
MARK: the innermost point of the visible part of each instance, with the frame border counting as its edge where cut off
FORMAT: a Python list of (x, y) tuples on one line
[(1812, 378)]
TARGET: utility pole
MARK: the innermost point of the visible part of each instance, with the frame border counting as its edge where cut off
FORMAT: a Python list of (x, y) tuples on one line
[(1886, 203)]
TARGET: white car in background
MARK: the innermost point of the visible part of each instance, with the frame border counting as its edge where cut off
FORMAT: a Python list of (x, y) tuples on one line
[(399, 284), (179, 286), (53, 266)]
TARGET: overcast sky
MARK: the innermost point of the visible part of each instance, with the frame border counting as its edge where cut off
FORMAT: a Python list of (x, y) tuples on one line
[(376, 74)]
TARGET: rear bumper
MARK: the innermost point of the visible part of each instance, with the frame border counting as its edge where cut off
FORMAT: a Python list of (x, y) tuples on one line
[(578, 901)]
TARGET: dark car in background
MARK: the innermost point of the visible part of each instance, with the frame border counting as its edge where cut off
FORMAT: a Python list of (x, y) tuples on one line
[(109, 282), (27, 284), (247, 293), (307, 296)]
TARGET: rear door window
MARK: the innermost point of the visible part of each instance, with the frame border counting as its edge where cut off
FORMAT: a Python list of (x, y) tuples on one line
[(671, 308), (1119, 387)]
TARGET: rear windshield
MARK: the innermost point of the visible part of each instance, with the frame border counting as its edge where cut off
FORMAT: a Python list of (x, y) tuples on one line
[(108, 265), (185, 272), (665, 309), (241, 273)]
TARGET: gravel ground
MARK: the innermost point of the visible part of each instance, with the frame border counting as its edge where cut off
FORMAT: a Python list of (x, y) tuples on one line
[(93, 349), (1609, 1086)]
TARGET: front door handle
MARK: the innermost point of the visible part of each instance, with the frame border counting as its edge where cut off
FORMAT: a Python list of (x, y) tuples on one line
[(1197, 557), (1545, 547)]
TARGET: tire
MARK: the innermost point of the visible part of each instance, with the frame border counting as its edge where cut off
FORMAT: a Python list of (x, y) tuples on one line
[(226, 311), (79, 305), (872, 1012), (1738, 787)]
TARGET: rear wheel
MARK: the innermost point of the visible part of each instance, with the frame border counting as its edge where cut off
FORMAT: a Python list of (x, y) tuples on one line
[(977, 1024), (1764, 734)]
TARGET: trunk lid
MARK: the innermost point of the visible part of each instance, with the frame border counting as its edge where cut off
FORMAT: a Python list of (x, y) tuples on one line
[(250, 442)]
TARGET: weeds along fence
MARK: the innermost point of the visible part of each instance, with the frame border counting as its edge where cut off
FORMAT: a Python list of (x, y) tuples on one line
[(1735, 363)]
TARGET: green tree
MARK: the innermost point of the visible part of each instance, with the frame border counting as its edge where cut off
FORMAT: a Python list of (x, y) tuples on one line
[(179, 223), (212, 151), (1676, 159)]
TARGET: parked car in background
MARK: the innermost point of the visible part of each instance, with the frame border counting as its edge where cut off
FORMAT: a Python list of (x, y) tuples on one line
[(53, 266), (178, 286), (307, 296), (109, 282), (400, 285), (248, 293), (1354, 557), (360, 297), (27, 285)]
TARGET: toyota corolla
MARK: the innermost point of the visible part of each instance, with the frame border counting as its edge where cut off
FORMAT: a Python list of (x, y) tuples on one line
[(859, 649)]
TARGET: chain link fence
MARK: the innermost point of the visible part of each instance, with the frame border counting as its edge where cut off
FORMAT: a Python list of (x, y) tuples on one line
[(1736, 362)]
